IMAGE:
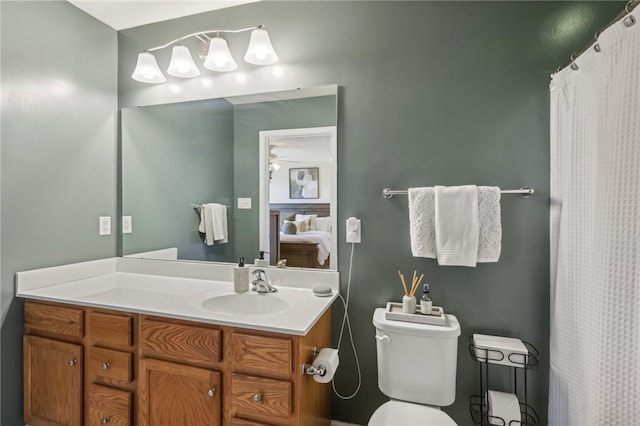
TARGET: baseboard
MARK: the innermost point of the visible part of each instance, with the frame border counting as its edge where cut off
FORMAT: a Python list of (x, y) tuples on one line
[(337, 423)]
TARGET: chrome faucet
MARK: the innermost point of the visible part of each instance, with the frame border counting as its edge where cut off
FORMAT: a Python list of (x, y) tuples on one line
[(261, 282)]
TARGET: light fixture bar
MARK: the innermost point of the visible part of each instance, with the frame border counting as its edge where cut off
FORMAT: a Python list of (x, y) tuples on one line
[(200, 33), (213, 49)]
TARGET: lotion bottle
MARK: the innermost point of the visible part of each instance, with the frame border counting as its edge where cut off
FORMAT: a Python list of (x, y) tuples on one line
[(261, 261), (426, 304), (240, 277)]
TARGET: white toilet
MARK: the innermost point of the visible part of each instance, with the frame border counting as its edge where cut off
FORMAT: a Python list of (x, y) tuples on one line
[(417, 370)]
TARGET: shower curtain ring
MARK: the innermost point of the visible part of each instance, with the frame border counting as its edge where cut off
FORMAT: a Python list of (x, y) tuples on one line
[(574, 66), (596, 45), (630, 19), (626, 6)]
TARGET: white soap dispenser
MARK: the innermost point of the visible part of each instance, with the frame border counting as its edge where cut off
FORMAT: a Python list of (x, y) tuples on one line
[(261, 261), (240, 277)]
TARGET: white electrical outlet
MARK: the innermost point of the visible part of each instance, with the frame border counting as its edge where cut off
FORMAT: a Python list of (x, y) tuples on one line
[(244, 203), (127, 225), (105, 225), (354, 230)]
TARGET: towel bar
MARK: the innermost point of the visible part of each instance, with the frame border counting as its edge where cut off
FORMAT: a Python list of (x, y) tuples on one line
[(525, 192)]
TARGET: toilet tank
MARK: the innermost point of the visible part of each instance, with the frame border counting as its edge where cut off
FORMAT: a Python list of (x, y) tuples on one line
[(417, 362)]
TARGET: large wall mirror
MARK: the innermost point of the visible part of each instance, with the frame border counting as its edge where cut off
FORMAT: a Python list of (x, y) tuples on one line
[(215, 179)]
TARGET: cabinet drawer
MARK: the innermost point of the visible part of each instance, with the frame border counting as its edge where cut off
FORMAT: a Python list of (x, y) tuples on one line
[(110, 329), (184, 343), (110, 364), (108, 406), (261, 355), (262, 398), (62, 320)]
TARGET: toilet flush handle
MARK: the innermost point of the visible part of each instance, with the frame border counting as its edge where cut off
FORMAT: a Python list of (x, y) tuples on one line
[(383, 338)]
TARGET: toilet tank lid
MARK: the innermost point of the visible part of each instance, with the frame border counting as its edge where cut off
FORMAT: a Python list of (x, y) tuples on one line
[(450, 329)]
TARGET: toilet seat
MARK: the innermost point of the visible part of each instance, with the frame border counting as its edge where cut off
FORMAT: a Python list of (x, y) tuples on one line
[(394, 413)]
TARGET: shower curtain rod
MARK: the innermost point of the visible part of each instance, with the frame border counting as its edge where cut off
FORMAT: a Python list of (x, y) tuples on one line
[(629, 7)]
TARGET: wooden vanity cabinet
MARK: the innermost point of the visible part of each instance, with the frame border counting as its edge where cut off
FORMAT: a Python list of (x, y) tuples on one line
[(94, 367)]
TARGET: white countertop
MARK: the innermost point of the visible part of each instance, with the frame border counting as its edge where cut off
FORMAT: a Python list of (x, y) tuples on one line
[(134, 285)]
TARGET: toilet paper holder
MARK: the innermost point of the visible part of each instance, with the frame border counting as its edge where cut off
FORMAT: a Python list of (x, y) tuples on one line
[(314, 370), (311, 369)]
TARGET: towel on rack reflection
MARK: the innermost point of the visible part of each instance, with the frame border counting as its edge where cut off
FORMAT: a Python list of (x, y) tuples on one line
[(422, 225), (213, 223)]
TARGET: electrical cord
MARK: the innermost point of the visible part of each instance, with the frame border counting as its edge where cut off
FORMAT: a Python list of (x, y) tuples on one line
[(345, 320)]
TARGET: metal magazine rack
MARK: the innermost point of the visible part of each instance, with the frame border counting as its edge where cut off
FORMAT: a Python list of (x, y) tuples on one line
[(521, 364)]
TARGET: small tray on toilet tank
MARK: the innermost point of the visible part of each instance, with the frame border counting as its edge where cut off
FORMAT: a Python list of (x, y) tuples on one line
[(394, 312)]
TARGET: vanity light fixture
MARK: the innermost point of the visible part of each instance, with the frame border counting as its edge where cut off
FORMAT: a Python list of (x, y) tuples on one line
[(182, 64), (218, 57)]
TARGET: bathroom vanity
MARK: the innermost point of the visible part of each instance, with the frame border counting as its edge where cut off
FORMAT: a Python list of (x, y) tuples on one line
[(97, 352)]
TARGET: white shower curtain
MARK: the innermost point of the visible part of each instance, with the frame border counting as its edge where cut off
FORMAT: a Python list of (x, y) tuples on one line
[(595, 236)]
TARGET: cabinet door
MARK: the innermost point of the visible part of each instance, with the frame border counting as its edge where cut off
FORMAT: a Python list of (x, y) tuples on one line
[(173, 394), (52, 382)]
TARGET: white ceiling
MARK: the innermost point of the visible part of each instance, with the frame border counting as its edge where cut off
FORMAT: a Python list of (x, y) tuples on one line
[(121, 14)]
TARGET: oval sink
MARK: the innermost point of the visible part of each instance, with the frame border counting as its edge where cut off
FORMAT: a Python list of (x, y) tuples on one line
[(249, 303)]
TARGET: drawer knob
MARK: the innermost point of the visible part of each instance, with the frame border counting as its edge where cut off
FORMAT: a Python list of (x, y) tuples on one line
[(104, 420), (211, 392), (73, 362), (106, 365), (257, 397)]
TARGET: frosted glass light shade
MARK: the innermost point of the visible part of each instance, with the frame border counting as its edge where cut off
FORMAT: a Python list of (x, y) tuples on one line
[(182, 64), (219, 57), (260, 50), (147, 69)]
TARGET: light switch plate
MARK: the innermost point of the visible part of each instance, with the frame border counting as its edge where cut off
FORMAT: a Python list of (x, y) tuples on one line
[(244, 203), (127, 225), (105, 225)]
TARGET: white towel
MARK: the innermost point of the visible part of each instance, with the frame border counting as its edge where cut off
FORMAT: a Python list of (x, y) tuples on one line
[(490, 235), (220, 232), (208, 224), (201, 227), (213, 223), (422, 229), (457, 225)]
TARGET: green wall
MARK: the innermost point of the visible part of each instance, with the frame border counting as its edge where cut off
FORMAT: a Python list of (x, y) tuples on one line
[(172, 156), (431, 93), (249, 120), (58, 146)]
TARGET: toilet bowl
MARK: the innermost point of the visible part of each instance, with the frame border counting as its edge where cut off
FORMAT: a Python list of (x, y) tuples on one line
[(398, 413), (417, 366)]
